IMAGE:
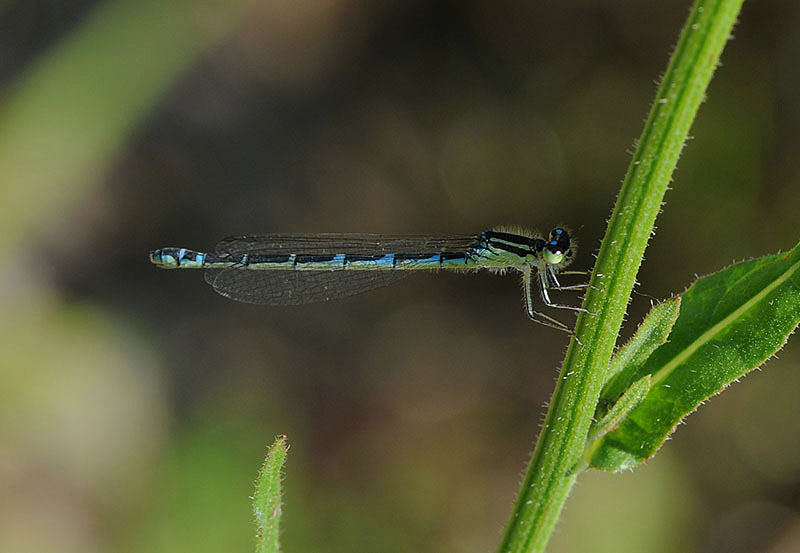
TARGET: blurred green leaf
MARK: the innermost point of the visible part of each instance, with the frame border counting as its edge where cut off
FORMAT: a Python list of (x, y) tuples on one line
[(67, 115), (730, 323), (267, 499)]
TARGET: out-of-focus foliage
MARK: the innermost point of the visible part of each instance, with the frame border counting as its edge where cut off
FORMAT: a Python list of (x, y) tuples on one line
[(67, 114), (126, 126)]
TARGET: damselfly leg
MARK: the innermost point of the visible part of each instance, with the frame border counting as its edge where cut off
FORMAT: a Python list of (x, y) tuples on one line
[(551, 273), (538, 316), (543, 290)]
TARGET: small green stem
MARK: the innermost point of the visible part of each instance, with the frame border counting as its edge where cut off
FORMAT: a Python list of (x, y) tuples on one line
[(553, 468), (267, 499)]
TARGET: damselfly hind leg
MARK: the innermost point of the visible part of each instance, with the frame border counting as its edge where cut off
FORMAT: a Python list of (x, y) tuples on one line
[(538, 316)]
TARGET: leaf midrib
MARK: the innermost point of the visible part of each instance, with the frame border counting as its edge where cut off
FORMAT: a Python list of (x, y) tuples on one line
[(709, 334)]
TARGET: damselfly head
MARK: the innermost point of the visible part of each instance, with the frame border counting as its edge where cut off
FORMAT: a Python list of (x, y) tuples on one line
[(559, 249)]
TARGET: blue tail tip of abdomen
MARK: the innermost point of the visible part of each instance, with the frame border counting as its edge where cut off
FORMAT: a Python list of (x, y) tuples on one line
[(162, 258)]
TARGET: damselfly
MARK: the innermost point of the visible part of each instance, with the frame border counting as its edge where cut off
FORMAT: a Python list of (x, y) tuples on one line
[(291, 269)]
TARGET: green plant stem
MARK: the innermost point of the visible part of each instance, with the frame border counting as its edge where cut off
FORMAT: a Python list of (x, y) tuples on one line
[(552, 470), (267, 505)]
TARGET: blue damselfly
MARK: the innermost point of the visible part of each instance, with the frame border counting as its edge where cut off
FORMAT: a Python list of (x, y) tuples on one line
[(291, 269)]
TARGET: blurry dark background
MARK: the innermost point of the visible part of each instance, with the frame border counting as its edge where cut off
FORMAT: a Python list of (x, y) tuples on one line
[(135, 404)]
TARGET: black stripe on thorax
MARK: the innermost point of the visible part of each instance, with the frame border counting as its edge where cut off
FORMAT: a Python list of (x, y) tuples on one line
[(507, 236), (520, 246), (508, 242)]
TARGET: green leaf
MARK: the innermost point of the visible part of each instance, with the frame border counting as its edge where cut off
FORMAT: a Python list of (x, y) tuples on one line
[(652, 333), (730, 323), (621, 394), (629, 400), (267, 498)]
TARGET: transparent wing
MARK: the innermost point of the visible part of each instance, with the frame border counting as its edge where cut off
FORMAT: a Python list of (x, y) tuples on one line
[(322, 244), (296, 287), (287, 287)]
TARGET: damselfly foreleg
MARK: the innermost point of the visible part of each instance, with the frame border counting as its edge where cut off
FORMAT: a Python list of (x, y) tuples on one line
[(552, 275)]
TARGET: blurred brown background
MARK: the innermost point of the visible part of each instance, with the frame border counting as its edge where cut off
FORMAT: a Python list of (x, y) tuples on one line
[(135, 405)]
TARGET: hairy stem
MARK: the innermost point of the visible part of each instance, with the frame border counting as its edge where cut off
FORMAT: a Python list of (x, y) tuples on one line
[(552, 470)]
